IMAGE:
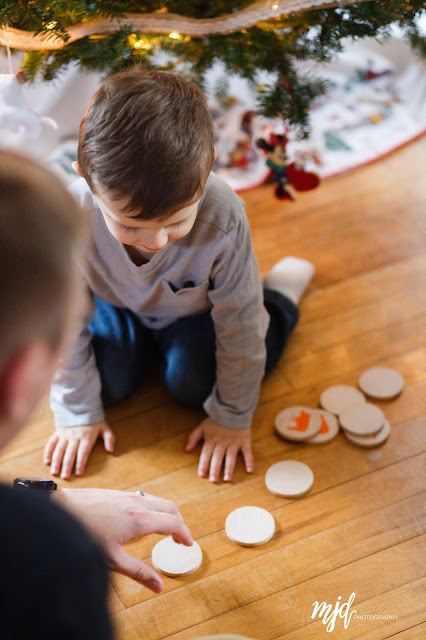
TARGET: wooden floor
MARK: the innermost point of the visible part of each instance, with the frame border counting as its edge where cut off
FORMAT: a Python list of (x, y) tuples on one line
[(360, 529)]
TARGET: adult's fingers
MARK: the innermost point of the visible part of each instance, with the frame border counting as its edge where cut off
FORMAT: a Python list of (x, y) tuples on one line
[(83, 453), (69, 458), (49, 448), (108, 438), (248, 457), (130, 566), (57, 456), (216, 462), (230, 462), (206, 454), (193, 439), (166, 524), (160, 504)]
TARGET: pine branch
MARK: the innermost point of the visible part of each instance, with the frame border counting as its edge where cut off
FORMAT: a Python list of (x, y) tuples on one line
[(271, 46)]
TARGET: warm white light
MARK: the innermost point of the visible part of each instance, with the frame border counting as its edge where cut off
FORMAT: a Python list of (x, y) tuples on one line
[(51, 25), (275, 6), (175, 36)]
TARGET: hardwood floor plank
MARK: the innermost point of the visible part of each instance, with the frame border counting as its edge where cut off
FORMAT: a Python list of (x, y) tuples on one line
[(327, 545), (417, 632), (387, 311), (273, 615), (404, 606), (364, 289), (360, 529)]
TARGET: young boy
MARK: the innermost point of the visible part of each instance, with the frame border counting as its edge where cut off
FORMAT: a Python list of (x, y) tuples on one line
[(169, 268)]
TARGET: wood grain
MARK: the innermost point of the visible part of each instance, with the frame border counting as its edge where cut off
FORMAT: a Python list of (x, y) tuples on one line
[(361, 528)]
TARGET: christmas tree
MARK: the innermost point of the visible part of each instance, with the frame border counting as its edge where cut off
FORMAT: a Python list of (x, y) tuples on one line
[(247, 37)]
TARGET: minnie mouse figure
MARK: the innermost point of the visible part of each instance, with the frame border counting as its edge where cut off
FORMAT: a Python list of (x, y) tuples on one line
[(285, 173), (277, 160)]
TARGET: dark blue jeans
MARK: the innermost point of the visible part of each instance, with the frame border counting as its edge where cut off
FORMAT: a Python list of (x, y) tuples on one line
[(125, 349)]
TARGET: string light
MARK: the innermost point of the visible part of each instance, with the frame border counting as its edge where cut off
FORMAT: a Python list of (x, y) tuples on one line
[(175, 36), (51, 25), (139, 43), (275, 6)]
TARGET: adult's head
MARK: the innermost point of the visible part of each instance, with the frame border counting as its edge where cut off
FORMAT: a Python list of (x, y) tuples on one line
[(41, 229)]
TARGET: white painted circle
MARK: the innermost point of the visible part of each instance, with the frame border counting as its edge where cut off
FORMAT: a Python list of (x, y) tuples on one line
[(336, 398), (289, 478), (329, 428), (381, 383), (362, 419), (298, 423), (250, 526), (371, 441), (176, 559)]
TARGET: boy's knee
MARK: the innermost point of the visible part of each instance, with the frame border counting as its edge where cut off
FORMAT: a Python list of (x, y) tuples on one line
[(188, 383), (115, 391), (188, 392)]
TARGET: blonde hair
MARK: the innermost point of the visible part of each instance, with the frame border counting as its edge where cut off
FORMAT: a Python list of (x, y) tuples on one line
[(40, 227)]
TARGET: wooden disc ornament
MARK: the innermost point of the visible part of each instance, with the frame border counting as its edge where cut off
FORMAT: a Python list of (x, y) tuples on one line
[(289, 478), (374, 440), (329, 429), (174, 559), (298, 423), (336, 398), (250, 526), (381, 383), (362, 419)]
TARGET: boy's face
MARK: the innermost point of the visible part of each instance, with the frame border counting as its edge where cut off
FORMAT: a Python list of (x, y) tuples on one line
[(149, 236)]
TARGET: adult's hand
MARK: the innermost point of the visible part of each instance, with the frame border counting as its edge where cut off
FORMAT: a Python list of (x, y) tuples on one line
[(116, 517)]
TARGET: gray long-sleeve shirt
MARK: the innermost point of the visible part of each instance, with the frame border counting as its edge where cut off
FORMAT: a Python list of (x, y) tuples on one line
[(217, 256)]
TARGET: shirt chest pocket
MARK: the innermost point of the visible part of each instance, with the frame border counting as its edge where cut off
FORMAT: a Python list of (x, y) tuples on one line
[(187, 297)]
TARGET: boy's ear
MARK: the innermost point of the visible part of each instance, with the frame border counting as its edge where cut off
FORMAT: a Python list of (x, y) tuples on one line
[(76, 168)]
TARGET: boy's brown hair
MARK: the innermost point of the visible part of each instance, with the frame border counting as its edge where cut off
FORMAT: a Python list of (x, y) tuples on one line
[(40, 228), (148, 136)]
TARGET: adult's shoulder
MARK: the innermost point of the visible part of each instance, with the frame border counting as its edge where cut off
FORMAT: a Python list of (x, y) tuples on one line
[(220, 205), (53, 579)]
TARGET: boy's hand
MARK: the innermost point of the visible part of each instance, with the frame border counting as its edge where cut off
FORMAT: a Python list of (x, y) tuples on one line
[(73, 445), (116, 517), (220, 444)]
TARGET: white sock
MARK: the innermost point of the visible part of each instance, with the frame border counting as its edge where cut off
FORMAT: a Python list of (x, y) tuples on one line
[(291, 277)]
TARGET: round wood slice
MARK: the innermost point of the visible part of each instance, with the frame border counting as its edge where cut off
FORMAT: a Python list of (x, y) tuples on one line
[(336, 398), (329, 428), (381, 383), (175, 559), (289, 478), (362, 419), (298, 423), (250, 526), (371, 441)]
